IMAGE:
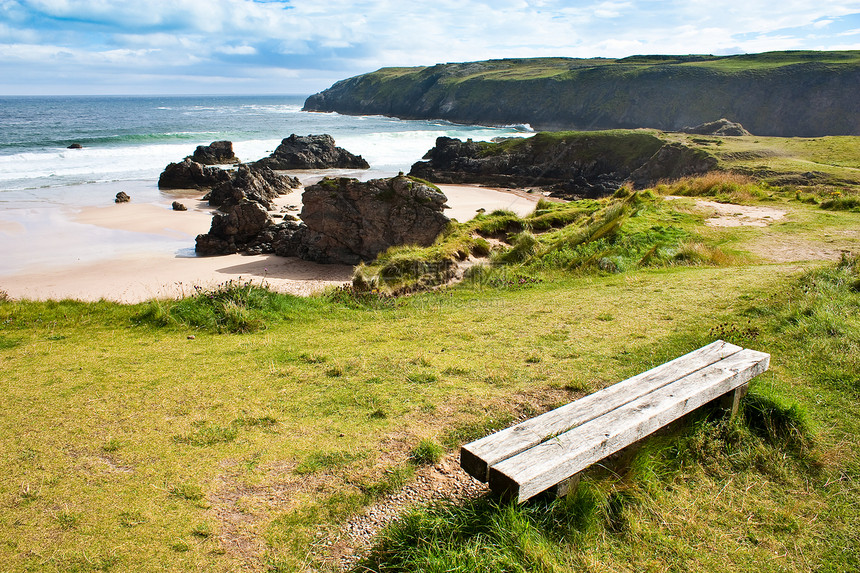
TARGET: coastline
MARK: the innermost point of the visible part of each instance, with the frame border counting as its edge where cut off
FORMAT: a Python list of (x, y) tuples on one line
[(141, 251)]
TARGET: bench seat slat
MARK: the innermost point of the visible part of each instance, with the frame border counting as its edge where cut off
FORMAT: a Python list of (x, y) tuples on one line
[(539, 468), (478, 456)]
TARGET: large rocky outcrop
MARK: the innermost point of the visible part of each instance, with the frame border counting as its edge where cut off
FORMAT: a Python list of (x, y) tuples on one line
[(311, 152), (216, 153), (343, 221), (254, 183), (570, 164), (234, 230), (720, 127), (788, 94), (188, 174), (349, 221)]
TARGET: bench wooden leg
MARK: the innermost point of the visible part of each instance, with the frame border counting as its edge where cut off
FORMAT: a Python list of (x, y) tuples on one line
[(731, 401), (564, 487)]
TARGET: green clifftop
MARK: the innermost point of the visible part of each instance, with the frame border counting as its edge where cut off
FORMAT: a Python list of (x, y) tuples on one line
[(804, 94)]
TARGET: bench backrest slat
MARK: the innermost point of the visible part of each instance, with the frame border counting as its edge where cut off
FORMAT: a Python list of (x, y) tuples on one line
[(542, 466), (478, 456)]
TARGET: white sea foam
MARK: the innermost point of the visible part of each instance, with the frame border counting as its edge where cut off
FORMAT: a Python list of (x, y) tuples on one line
[(54, 167)]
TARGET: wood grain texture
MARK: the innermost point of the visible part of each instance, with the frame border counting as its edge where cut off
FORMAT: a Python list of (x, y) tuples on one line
[(544, 465), (476, 457)]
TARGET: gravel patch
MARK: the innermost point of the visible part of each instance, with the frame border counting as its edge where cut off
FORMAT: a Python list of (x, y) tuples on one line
[(442, 481)]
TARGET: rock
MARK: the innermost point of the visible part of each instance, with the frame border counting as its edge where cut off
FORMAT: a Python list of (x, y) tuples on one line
[(189, 174), (256, 183), (232, 230), (311, 152), (216, 153), (75, 146), (177, 206), (122, 197), (570, 165), (720, 127), (348, 221)]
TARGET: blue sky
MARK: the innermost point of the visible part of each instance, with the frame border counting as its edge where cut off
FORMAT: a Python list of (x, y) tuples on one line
[(303, 46)]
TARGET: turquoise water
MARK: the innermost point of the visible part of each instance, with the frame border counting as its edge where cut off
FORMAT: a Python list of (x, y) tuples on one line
[(133, 138), (127, 142)]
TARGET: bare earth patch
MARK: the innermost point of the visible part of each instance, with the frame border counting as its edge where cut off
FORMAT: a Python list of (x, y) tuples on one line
[(778, 248), (729, 215)]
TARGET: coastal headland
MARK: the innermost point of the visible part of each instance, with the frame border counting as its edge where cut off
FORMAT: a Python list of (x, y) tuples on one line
[(788, 94)]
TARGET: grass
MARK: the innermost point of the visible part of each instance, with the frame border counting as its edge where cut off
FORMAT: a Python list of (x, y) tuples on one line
[(123, 441), (427, 452), (653, 511), (631, 230)]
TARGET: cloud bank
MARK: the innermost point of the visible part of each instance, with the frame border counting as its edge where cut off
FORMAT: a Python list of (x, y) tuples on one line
[(302, 46)]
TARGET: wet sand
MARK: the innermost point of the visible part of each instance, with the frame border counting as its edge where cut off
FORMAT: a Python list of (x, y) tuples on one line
[(154, 251)]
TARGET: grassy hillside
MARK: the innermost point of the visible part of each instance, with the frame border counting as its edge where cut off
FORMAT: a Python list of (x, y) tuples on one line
[(239, 429), (777, 93)]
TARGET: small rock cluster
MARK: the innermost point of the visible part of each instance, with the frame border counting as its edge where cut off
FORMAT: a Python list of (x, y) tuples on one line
[(244, 202)]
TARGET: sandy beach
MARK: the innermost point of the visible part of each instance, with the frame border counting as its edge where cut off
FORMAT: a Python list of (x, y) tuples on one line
[(138, 251)]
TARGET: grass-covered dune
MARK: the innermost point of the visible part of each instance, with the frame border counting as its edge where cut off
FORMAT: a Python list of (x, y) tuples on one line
[(776, 93), (238, 429)]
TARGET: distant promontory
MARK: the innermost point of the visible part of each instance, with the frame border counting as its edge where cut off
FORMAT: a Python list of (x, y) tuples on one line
[(786, 94)]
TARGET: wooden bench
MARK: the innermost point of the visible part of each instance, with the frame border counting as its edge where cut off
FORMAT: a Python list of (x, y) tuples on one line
[(548, 451)]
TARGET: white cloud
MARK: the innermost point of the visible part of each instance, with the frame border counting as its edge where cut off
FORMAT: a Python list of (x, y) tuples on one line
[(352, 36), (243, 50)]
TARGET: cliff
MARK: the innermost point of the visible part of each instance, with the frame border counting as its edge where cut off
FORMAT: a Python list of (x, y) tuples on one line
[(803, 94)]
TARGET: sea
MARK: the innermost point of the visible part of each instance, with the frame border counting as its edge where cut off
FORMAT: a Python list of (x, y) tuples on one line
[(126, 141)]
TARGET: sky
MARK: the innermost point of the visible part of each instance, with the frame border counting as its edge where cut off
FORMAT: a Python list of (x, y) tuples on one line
[(89, 47)]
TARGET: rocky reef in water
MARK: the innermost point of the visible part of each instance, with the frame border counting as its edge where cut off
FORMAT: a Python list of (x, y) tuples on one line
[(216, 153), (311, 152), (569, 164)]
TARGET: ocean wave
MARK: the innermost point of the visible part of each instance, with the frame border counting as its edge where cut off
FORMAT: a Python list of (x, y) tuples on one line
[(520, 127), (102, 140)]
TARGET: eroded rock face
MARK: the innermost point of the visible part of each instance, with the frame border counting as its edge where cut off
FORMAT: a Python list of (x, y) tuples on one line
[(720, 127), (312, 152), (233, 229), (188, 174), (348, 221), (585, 164), (216, 153), (258, 184)]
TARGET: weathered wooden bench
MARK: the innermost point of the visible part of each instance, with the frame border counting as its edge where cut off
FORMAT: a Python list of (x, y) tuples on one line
[(549, 450)]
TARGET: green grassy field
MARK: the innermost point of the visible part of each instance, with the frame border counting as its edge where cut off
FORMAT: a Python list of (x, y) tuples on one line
[(239, 431)]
